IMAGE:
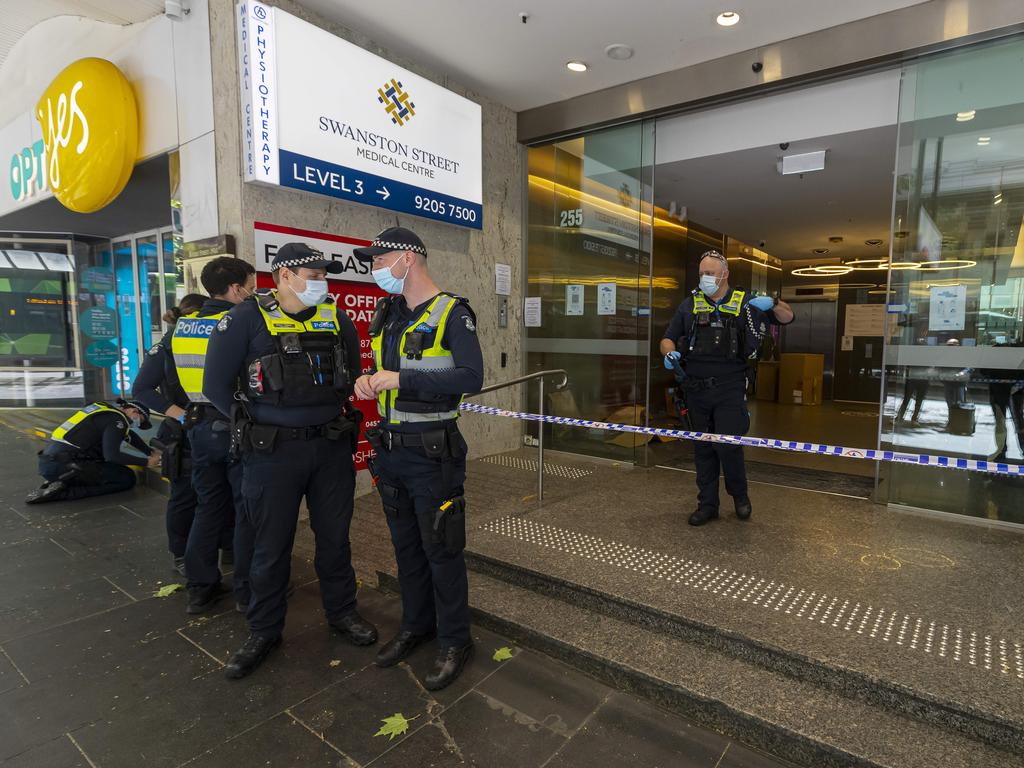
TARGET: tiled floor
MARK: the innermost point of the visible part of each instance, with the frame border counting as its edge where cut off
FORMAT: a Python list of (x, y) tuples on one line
[(97, 672)]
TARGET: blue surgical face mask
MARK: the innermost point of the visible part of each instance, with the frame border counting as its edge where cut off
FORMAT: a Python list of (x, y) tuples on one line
[(314, 293), (387, 281), (709, 285)]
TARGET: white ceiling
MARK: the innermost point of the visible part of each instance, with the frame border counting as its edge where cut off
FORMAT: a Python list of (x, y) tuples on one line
[(483, 45), (19, 16)]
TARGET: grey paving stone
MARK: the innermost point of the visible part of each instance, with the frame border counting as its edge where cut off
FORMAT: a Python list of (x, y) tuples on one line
[(280, 742), (57, 753), (36, 604)]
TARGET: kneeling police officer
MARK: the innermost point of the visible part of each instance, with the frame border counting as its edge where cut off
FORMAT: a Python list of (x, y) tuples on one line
[(282, 364), (712, 342), (83, 455), (426, 357)]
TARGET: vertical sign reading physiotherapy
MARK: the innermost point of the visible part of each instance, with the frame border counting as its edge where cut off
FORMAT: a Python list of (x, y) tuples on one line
[(325, 116), (259, 92)]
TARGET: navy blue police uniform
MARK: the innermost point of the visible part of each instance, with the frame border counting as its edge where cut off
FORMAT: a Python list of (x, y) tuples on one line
[(83, 456), (157, 386), (420, 462), (719, 343), (285, 380)]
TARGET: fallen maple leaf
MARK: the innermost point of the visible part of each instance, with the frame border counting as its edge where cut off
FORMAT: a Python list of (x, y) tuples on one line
[(396, 725), (503, 654), (167, 590), (335, 662)]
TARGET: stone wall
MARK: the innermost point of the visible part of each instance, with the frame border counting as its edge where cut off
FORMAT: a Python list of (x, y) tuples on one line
[(461, 260)]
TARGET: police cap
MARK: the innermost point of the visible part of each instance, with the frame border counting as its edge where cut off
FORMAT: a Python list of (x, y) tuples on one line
[(392, 239), (301, 255)]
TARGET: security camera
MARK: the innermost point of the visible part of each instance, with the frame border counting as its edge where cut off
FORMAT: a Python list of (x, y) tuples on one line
[(784, 146), (757, 66), (176, 10), (762, 244)]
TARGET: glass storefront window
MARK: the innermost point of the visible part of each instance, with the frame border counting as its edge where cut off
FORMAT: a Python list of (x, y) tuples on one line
[(955, 367)]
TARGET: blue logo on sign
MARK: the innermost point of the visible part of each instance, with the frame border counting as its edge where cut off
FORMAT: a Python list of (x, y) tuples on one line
[(195, 328), (323, 324)]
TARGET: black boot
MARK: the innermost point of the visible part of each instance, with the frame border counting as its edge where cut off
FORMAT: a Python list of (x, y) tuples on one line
[(179, 564), (203, 598), (702, 515), (52, 491), (743, 508), (399, 647), (356, 628), (448, 666), (252, 653)]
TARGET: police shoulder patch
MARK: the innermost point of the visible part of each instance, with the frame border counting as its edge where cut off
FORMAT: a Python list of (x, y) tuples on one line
[(120, 424), (470, 325), (224, 323), (154, 350)]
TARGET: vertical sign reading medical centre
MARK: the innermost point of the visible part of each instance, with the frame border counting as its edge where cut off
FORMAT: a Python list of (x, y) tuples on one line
[(325, 116), (259, 92)]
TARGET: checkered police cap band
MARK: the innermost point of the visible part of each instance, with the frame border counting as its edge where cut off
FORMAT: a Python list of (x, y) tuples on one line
[(309, 258), (398, 246), (714, 255)]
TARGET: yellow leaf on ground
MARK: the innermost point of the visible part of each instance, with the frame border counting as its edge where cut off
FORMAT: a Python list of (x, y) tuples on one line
[(503, 654), (396, 725), (168, 590), (335, 662)]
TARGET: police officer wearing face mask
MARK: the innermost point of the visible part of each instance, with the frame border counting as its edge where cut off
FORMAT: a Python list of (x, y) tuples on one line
[(714, 338), (83, 456), (426, 357), (282, 365)]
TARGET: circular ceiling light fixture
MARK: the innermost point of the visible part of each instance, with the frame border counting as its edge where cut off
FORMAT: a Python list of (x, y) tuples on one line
[(984, 141), (576, 66), (874, 242), (619, 52), (963, 117), (823, 270), (820, 251), (897, 266), (728, 19), (866, 264), (943, 264)]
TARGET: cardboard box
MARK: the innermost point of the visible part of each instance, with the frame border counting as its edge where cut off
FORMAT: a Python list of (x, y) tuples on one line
[(800, 379), (767, 382)]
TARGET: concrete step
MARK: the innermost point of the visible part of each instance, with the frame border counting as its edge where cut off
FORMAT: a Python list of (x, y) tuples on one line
[(791, 718), (962, 716)]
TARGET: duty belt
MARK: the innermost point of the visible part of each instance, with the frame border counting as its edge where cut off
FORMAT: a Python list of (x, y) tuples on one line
[(712, 381), (389, 438), (196, 412), (301, 433)]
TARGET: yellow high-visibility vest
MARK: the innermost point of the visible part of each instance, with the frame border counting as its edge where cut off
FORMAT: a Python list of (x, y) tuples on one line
[(65, 432), (189, 343), (731, 307)]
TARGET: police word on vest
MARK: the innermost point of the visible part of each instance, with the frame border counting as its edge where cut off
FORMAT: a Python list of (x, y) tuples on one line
[(310, 364), (420, 349), (717, 334), (188, 345), (72, 428)]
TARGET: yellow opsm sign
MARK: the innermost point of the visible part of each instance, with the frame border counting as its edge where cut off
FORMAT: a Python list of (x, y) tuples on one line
[(91, 132)]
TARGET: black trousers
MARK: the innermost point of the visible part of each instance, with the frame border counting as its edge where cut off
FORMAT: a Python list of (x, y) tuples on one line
[(916, 389), (217, 482), (273, 485), (434, 585), (720, 410), (99, 479), (181, 501)]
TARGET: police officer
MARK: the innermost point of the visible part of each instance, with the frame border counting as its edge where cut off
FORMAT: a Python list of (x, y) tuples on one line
[(216, 476), (282, 365), (426, 357), (714, 337), (158, 388), (83, 455)]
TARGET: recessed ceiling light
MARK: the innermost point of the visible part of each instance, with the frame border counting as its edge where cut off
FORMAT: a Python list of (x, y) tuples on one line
[(963, 117), (874, 242), (576, 66), (820, 251), (835, 239), (618, 52), (728, 18)]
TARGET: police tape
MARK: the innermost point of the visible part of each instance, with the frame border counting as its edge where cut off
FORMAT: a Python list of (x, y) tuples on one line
[(870, 454)]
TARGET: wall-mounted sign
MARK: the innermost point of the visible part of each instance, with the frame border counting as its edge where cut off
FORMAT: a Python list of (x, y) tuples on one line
[(98, 323), (91, 135), (323, 115), (102, 354), (947, 310)]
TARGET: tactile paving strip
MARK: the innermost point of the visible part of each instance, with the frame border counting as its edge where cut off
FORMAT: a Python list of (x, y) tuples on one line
[(913, 633), (556, 470)]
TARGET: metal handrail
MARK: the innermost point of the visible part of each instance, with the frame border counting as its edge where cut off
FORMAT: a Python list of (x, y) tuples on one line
[(539, 376)]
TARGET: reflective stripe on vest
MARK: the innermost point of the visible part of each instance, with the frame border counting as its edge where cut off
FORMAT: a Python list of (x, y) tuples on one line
[(324, 320), (731, 307), (433, 358), (60, 434), (189, 343)]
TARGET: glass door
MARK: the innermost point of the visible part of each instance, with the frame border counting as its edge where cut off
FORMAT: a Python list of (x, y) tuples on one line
[(588, 283), (954, 370), (148, 257), (129, 332)]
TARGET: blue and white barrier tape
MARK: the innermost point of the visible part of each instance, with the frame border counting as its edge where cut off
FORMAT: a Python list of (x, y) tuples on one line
[(921, 459)]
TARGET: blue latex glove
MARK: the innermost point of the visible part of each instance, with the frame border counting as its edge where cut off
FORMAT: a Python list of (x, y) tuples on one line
[(671, 359), (182, 418), (763, 303)]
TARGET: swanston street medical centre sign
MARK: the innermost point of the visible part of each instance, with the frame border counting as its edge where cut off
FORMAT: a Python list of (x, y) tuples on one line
[(325, 116)]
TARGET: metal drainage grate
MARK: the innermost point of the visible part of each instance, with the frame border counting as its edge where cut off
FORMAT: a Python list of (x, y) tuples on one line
[(909, 632), (557, 470)]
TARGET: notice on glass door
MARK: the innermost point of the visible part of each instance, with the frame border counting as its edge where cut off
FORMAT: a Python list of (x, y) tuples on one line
[(573, 300), (531, 311), (947, 309), (865, 320), (606, 298)]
